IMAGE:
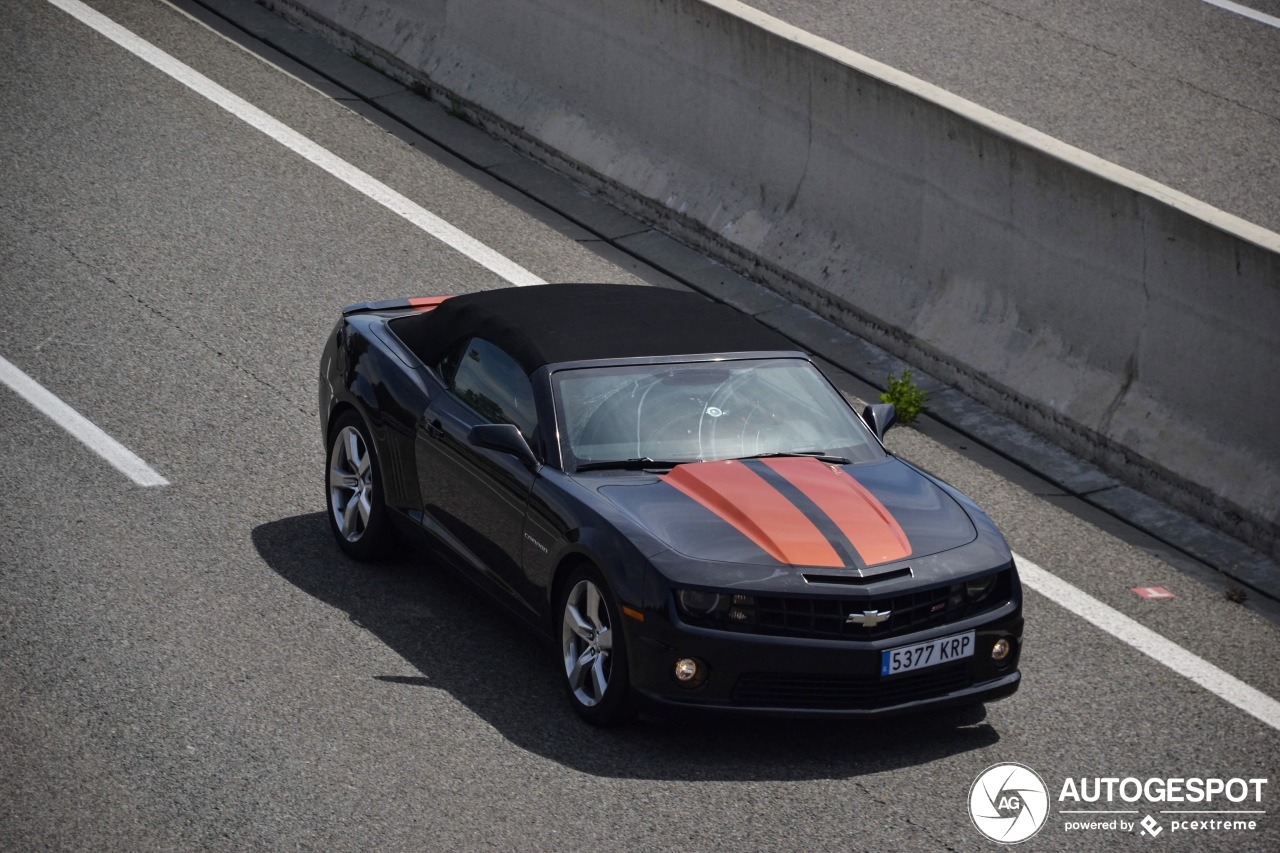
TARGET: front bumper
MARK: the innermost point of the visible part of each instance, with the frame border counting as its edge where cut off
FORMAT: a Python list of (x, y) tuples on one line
[(760, 675)]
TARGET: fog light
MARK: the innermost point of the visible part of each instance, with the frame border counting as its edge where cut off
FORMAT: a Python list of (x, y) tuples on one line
[(1001, 649), (686, 670)]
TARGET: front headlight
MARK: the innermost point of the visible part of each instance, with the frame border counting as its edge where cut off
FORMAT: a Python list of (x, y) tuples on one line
[(698, 602), (704, 605), (979, 588)]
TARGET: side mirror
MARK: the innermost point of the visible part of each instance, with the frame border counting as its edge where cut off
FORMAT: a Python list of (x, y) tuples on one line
[(504, 438), (879, 417)]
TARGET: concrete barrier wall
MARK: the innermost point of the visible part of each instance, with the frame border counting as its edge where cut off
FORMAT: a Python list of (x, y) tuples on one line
[(1134, 325)]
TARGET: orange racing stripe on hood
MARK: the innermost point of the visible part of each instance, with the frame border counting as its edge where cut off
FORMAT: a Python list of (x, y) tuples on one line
[(756, 509), (865, 522)]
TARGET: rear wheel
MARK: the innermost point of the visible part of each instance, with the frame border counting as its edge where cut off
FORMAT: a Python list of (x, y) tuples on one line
[(357, 512), (594, 649)]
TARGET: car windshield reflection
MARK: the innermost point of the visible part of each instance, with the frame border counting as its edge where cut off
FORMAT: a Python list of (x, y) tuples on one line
[(632, 416)]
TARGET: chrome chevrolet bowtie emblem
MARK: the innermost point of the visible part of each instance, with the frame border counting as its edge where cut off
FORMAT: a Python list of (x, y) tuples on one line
[(869, 618)]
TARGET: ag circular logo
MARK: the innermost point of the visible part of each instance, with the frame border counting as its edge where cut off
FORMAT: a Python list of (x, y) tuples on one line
[(1008, 803)]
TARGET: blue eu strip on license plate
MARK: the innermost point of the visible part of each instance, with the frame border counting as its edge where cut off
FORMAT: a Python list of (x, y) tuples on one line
[(923, 655)]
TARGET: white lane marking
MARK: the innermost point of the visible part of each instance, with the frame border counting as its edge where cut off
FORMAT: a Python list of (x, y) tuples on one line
[(1170, 654), (84, 430), (1261, 17), (1198, 670), (296, 142)]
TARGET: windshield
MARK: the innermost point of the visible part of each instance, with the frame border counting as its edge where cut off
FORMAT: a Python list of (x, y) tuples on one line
[(703, 411)]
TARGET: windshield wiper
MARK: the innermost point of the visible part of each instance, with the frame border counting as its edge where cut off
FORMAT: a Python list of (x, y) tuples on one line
[(812, 454), (642, 463), (645, 463)]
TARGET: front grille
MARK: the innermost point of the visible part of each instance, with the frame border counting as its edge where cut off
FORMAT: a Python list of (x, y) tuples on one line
[(827, 618), (819, 617), (846, 692)]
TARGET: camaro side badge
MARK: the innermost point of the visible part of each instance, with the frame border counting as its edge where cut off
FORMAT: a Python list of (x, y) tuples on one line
[(869, 618)]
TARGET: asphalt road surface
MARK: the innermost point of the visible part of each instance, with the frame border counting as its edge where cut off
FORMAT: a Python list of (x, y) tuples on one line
[(196, 666), (1181, 91)]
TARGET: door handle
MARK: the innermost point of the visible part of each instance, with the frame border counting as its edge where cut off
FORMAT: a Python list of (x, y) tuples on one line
[(435, 429)]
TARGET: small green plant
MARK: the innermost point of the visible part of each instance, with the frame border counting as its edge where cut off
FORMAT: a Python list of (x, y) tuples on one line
[(906, 396)]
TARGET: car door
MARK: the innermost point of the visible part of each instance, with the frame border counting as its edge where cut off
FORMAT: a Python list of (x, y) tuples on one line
[(473, 498)]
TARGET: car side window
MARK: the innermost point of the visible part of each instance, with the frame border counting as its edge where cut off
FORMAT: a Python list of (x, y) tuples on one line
[(494, 385), (449, 363)]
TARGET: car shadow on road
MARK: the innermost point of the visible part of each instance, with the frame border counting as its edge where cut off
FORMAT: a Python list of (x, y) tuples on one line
[(461, 642)]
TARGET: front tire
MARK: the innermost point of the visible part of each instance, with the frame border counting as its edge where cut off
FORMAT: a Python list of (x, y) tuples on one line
[(357, 511), (593, 649)]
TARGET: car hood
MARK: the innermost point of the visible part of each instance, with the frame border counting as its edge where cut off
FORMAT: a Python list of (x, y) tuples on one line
[(795, 511)]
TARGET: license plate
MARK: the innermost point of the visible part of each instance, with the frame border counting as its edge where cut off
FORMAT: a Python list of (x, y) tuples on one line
[(922, 655)]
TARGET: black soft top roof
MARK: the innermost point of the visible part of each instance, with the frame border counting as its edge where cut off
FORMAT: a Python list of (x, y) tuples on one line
[(554, 323)]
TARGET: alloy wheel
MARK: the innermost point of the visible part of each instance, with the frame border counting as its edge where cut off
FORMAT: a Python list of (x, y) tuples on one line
[(587, 643), (350, 484)]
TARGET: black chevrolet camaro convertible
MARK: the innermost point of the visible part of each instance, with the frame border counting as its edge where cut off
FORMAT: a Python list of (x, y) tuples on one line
[(672, 494)]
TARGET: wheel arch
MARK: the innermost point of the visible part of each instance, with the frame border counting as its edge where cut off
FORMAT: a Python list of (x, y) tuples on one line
[(564, 570), (336, 411)]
